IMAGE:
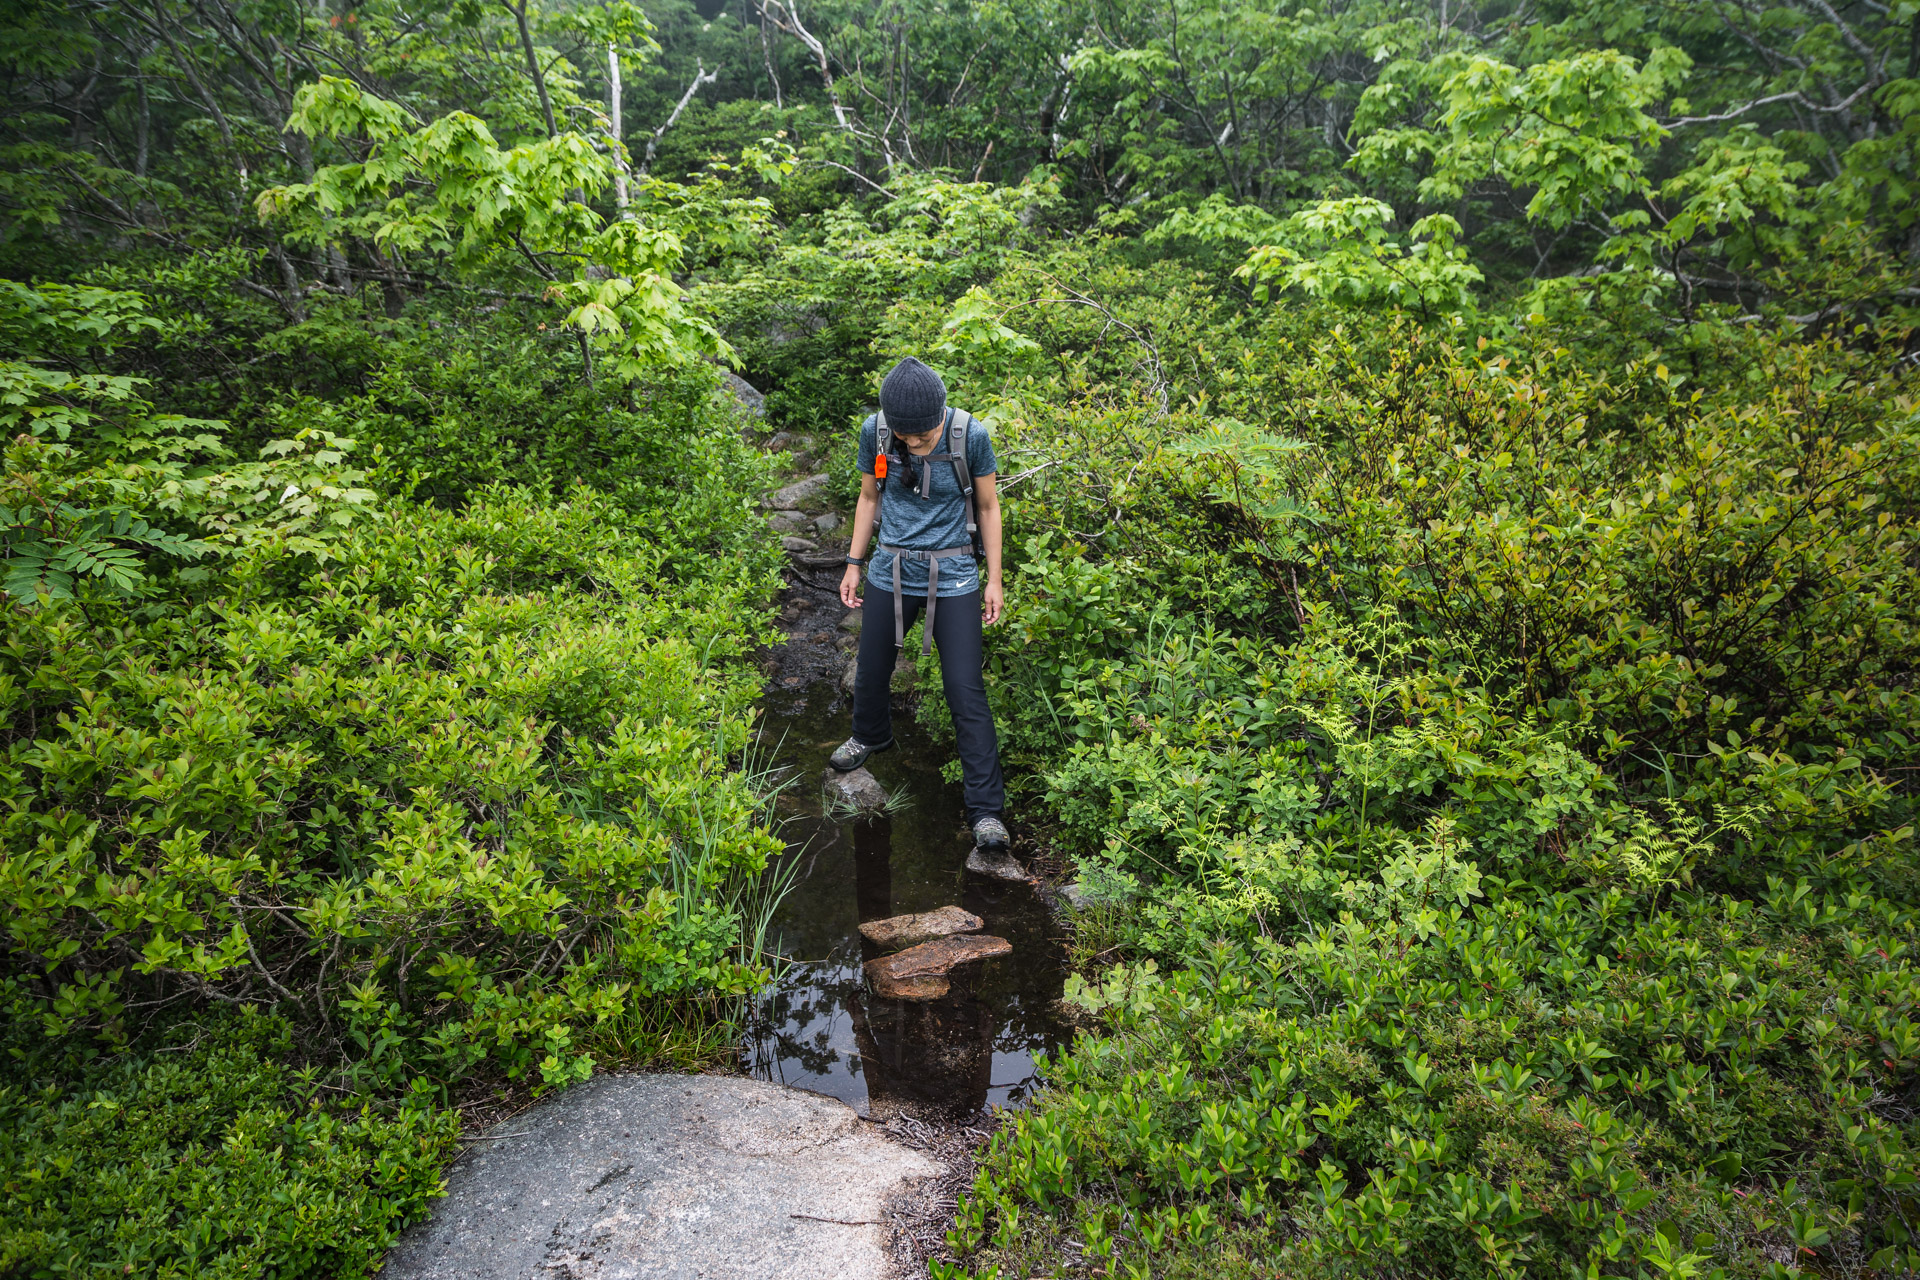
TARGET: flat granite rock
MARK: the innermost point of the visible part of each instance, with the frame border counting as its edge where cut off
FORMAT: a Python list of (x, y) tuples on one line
[(798, 494), (667, 1177), (898, 932), (921, 973)]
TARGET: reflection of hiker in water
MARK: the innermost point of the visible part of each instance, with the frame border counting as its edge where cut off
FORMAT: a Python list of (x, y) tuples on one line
[(927, 490), (926, 1056)]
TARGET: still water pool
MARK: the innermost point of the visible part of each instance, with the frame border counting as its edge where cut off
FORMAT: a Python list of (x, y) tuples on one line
[(820, 1029)]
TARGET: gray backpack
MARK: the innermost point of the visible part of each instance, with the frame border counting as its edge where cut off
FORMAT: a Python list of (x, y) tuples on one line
[(958, 436)]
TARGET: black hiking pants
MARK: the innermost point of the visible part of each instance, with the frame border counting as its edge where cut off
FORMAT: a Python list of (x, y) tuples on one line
[(956, 633)]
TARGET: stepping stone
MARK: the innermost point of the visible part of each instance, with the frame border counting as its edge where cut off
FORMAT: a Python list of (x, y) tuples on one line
[(794, 542), (826, 523), (668, 1176), (921, 973), (899, 932), (857, 787), (1001, 865), (788, 521), (1074, 896), (797, 494)]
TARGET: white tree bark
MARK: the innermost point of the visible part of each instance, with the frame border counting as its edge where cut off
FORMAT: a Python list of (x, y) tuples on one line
[(700, 76), (788, 20), (613, 120)]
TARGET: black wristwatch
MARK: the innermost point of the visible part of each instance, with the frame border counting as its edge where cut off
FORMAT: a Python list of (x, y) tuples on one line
[(855, 560)]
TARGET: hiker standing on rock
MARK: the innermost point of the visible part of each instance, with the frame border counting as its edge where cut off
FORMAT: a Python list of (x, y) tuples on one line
[(927, 492)]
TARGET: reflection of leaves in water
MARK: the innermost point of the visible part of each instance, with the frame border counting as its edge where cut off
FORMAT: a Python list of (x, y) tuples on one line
[(797, 1024)]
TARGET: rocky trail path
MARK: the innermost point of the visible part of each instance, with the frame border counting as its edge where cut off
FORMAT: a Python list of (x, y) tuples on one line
[(678, 1177)]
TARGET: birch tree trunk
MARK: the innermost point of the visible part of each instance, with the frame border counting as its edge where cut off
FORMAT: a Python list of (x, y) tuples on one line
[(619, 134)]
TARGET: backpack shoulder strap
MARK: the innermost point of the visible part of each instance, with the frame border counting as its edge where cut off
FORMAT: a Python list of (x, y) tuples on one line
[(961, 425), (882, 446)]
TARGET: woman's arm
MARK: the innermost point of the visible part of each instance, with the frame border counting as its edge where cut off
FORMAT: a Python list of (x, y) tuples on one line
[(863, 514), (986, 501)]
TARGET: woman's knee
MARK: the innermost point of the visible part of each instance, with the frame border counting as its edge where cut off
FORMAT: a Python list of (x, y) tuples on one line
[(964, 695)]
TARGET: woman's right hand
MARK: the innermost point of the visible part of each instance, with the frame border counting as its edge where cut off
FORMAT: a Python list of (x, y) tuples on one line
[(850, 587)]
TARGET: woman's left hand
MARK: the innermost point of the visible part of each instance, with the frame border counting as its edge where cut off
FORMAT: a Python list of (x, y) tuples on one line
[(993, 601)]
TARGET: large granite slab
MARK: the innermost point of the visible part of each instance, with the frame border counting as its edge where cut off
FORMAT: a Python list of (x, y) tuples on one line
[(667, 1177)]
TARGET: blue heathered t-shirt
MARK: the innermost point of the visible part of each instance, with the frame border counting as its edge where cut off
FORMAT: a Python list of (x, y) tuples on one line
[(933, 523)]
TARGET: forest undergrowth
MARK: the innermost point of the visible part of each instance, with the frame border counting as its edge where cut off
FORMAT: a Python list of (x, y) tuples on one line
[(1461, 468)]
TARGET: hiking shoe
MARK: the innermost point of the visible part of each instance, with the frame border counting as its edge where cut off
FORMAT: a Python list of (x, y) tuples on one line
[(853, 753), (990, 833)]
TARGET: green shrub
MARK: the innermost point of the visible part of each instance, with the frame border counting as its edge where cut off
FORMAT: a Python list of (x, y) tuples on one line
[(430, 797), (1492, 769), (204, 1155), (1566, 1082), (457, 794), (497, 404)]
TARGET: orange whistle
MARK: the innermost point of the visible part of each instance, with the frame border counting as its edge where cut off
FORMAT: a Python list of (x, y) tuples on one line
[(880, 467)]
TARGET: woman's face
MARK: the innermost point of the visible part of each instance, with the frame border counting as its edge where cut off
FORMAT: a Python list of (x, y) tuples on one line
[(920, 441)]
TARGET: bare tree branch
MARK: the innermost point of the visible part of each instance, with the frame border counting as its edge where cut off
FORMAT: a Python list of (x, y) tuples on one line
[(791, 24), (700, 76), (1794, 96)]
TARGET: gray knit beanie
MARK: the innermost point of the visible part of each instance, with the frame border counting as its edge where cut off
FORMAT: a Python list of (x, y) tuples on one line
[(913, 397)]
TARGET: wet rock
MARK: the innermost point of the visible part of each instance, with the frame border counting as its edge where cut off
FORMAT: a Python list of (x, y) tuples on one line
[(851, 622), (826, 523), (793, 542), (798, 494), (847, 676), (896, 933), (744, 393), (920, 986), (997, 863), (922, 972), (858, 787)]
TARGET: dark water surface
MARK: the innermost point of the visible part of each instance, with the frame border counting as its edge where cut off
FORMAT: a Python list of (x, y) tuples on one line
[(820, 1029)]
